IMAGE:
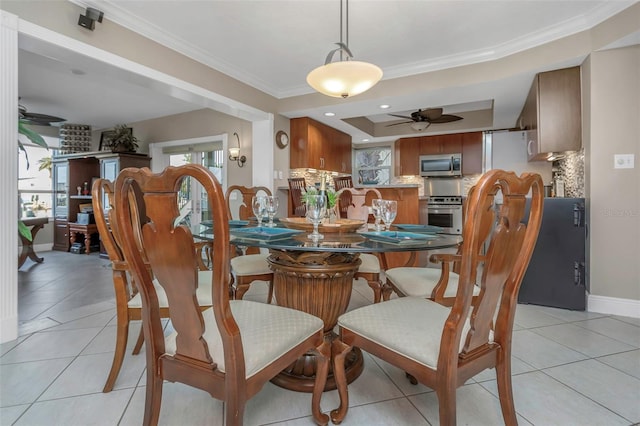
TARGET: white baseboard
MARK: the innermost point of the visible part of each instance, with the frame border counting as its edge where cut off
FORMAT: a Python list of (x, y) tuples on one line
[(613, 306), (42, 247)]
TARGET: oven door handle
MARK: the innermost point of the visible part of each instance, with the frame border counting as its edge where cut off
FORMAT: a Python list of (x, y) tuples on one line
[(443, 209)]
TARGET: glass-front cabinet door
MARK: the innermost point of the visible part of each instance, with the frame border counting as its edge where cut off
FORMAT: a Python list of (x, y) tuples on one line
[(60, 189)]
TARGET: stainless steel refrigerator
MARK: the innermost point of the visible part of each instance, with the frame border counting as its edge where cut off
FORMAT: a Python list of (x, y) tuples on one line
[(556, 274)]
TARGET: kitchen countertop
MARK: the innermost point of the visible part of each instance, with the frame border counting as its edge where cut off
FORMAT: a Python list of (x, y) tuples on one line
[(399, 185)]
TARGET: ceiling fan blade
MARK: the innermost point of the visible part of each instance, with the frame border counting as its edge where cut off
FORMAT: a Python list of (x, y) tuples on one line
[(445, 118), (401, 116), (41, 118), (396, 124)]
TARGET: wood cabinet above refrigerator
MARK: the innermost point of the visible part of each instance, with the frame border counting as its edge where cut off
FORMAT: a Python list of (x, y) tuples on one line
[(552, 114), (317, 146)]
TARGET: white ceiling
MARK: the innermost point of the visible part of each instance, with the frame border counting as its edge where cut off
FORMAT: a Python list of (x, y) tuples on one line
[(272, 45)]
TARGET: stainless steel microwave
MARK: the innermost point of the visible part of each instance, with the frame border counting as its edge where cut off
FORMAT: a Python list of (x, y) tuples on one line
[(441, 165)]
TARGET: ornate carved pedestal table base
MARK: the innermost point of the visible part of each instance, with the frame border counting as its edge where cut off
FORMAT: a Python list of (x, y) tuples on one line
[(318, 283)]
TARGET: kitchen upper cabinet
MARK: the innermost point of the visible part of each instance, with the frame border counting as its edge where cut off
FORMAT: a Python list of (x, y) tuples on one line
[(406, 153), (441, 144), (471, 153), (318, 146), (552, 114)]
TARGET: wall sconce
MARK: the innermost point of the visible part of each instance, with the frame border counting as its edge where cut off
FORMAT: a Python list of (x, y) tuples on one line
[(88, 20), (234, 153)]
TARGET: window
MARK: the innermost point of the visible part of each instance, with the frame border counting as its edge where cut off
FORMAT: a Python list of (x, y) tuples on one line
[(34, 182), (373, 165)]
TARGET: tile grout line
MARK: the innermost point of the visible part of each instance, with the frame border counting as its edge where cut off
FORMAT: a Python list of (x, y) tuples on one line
[(585, 396)]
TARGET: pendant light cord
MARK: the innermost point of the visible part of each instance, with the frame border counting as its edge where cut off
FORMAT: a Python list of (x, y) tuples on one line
[(344, 11)]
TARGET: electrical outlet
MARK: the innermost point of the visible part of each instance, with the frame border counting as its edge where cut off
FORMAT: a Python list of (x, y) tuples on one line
[(280, 174), (623, 161)]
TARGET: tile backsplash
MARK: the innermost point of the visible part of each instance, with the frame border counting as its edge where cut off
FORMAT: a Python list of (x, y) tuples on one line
[(571, 169)]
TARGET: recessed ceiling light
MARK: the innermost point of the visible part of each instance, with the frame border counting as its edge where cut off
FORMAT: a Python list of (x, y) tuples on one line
[(77, 72), (365, 140), (329, 114), (385, 106)]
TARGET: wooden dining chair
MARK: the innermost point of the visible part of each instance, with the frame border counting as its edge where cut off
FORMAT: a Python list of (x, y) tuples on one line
[(438, 284), (230, 350), (442, 347), (296, 187), (370, 268), (251, 265), (341, 182), (128, 301)]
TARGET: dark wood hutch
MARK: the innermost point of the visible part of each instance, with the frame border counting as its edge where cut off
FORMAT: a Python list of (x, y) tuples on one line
[(74, 171)]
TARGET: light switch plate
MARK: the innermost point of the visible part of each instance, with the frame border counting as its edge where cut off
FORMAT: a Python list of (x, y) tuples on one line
[(623, 161)]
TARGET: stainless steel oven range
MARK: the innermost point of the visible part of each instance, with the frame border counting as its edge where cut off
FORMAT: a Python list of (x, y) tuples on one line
[(446, 212)]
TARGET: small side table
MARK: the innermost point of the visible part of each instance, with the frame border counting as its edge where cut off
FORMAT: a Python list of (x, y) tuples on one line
[(36, 224), (87, 230)]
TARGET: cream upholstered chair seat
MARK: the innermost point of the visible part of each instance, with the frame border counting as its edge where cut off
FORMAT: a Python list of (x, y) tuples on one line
[(250, 264), (370, 264), (411, 326), (442, 346), (230, 350), (267, 333), (203, 293), (420, 282)]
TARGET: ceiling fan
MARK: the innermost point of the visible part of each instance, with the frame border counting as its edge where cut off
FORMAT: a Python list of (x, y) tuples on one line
[(423, 118), (37, 119)]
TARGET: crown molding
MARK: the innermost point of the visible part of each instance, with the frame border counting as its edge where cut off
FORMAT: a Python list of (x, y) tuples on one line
[(115, 13)]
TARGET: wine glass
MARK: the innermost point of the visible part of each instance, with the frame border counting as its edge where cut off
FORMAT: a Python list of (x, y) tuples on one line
[(376, 206), (389, 212), (259, 207), (316, 209), (272, 209)]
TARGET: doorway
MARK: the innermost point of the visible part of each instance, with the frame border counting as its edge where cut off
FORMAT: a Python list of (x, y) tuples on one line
[(207, 151)]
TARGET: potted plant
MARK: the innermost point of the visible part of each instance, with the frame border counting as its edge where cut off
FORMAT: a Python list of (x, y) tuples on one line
[(332, 198), (122, 139)]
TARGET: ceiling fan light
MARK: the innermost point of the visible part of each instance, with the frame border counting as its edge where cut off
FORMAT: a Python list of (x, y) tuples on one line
[(345, 78), (419, 126)]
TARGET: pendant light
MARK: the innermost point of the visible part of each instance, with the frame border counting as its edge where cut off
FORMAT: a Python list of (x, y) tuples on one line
[(345, 77)]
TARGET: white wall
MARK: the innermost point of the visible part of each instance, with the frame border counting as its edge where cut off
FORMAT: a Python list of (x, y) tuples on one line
[(614, 194), (510, 153)]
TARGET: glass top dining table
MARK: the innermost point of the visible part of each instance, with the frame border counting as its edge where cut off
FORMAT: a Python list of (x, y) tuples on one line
[(317, 277), (282, 238)]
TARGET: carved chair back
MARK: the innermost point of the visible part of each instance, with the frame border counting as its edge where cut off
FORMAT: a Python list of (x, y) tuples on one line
[(357, 208), (340, 182), (206, 350), (474, 336), (240, 208), (296, 187)]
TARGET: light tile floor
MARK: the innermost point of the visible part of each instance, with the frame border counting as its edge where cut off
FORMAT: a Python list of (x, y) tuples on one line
[(569, 368)]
